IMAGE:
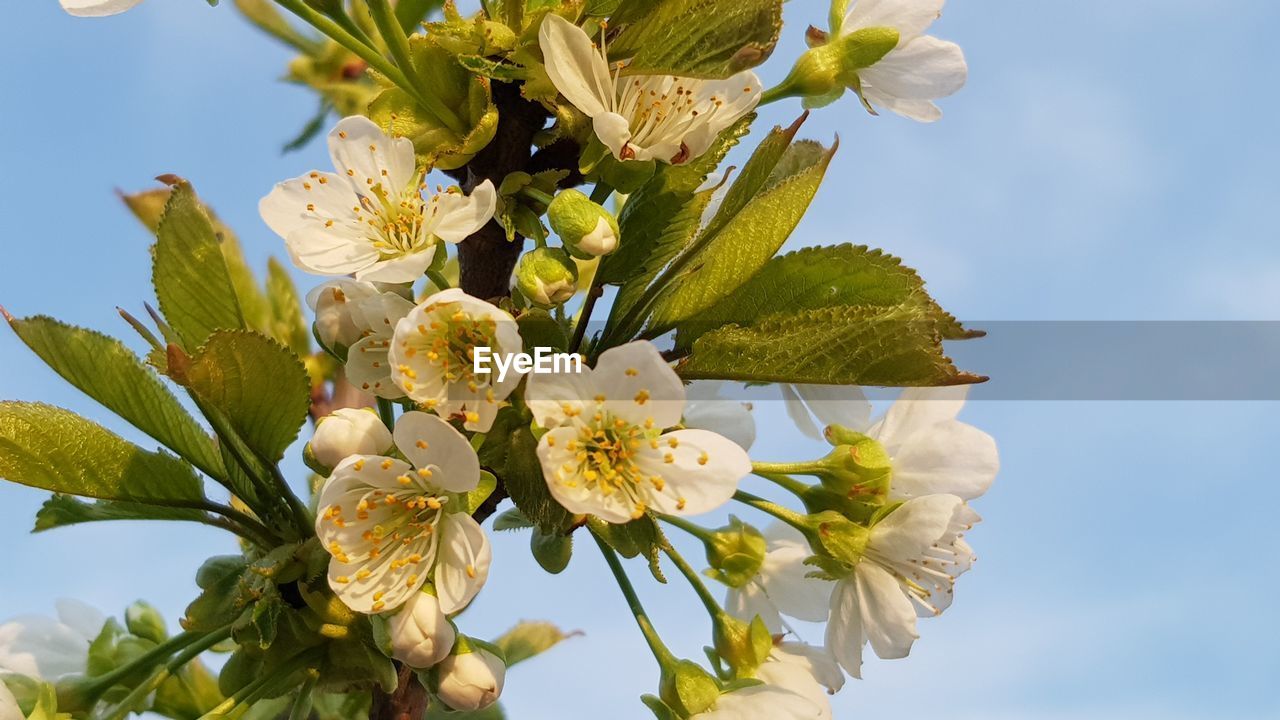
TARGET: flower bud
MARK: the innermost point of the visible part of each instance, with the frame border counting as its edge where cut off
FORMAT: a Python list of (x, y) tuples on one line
[(146, 622), (421, 635), (832, 64), (743, 645), (347, 432), (688, 689), (547, 277), (332, 302), (858, 467), (735, 553), (586, 229), (471, 680)]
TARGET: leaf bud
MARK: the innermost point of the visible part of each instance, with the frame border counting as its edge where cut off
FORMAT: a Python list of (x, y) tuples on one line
[(735, 553)]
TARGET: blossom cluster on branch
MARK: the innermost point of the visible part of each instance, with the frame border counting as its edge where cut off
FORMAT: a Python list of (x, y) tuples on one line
[(451, 232)]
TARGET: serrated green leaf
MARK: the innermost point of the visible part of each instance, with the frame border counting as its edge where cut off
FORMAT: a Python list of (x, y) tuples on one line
[(63, 510), (695, 38), (821, 277), (728, 255), (511, 452), (529, 639), (54, 449), (511, 519), (638, 537), (105, 370), (288, 325), (896, 347), (552, 551), (190, 275), (261, 387)]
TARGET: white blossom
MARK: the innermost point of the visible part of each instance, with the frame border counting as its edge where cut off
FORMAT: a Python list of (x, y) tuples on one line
[(781, 587), (370, 218), (932, 452), (432, 357), (362, 318), (762, 702), (9, 709), (471, 681), (642, 117), (708, 409), (919, 70), (606, 452), (50, 648), (814, 407), (97, 8), (392, 525), (349, 431), (421, 634), (910, 566)]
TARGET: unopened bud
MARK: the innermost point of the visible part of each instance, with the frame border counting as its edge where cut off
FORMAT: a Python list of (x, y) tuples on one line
[(146, 622), (333, 303), (688, 689), (347, 432), (471, 679), (735, 553), (833, 63), (586, 229), (743, 645), (421, 636), (547, 277), (858, 467)]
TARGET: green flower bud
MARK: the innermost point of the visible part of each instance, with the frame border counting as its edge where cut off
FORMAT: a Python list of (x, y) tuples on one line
[(146, 622), (735, 553), (688, 689), (839, 543), (547, 277), (858, 467), (742, 645), (832, 64), (586, 229)]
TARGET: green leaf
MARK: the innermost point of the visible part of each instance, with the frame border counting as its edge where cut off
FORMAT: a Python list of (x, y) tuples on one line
[(53, 449), (261, 387), (511, 452), (529, 639), (695, 38), (288, 325), (190, 275), (474, 499), (63, 510), (638, 537), (661, 218), (730, 253), (105, 370), (552, 551), (822, 277), (511, 519), (899, 347)]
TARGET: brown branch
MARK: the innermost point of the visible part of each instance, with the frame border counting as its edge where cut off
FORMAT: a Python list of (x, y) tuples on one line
[(408, 702)]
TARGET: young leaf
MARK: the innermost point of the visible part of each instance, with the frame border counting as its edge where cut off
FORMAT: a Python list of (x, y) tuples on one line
[(53, 449), (511, 519), (190, 275), (897, 347), (729, 254), (511, 451), (63, 510), (695, 38), (261, 387), (821, 277), (552, 551), (529, 639), (288, 325), (105, 370)]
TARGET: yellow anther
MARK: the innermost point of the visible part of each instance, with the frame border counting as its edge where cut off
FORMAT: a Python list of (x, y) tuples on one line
[(632, 372), (386, 464), (702, 459), (673, 442), (642, 397)]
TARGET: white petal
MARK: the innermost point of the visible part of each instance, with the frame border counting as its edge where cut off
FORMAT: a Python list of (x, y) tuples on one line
[(799, 681), (909, 17), (9, 709), (751, 601), (924, 111), (924, 69), (576, 66), (916, 525), (83, 618), (329, 253), (640, 385), (845, 637), (888, 617), (463, 563), (761, 702), (358, 145), (843, 405), (368, 368), (738, 96), (799, 413), (952, 458), (310, 201), (456, 216), (615, 132), (97, 8), (553, 397), (816, 660), (783, 574), (729, 418), (431, 443), (399, 269), (701, 471)]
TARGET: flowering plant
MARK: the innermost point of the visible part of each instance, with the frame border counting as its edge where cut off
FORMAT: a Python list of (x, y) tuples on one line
[(462, 139)]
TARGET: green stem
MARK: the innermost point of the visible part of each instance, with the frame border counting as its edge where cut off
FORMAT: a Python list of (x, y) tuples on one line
[(660, 652), (778, 92), (301, 709), (601, 193), (438, 278), (786, 482), (763, 468), (536, 195), (102, 683), (708, 600), (256, 689), (125, 706), (387, 411), (584, 315), (790, 517), (703, 534), (397, 41)]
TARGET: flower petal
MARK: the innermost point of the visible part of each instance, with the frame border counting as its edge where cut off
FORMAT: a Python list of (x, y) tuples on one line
[(457, 216), (909, 17), (640, 385), (916, 525), (845, 636), (554, 397), (400, 269), (576, 66), (761, 702), (700, 469), (329, 253), (924, 69), (368, 368), (816, 660), (463, 562), (933, 453), (799, 681), (751, 601), (729, 418), (97, 8), (784, 575), (431, 443), (888, 617), (615, 132), (843, 405), (368, 158), (309, 201)]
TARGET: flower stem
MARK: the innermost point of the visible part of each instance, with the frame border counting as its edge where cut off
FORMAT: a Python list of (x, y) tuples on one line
[(708, 600), (301, 709), (659, 649), (790, 517), (536, 195), (126, 706), (784, 481), (601, 193), (102, 683), (703, 534), (763, 468), (384, 17)]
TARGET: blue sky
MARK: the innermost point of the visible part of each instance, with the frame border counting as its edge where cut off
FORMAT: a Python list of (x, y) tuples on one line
[(1109, 160)]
